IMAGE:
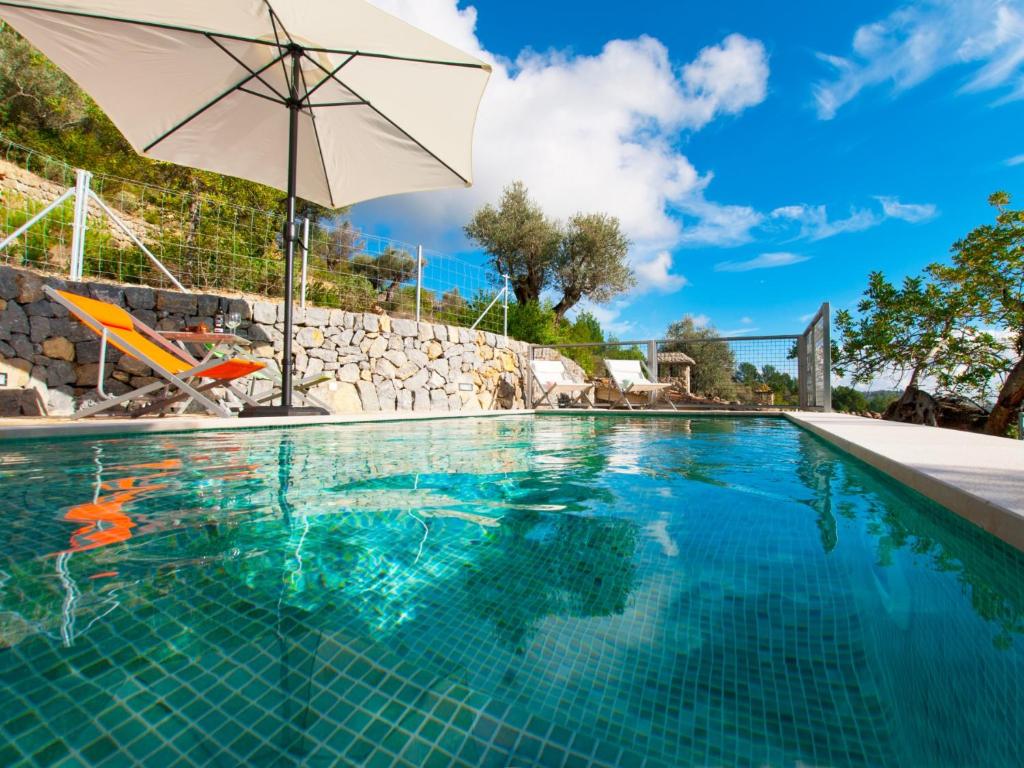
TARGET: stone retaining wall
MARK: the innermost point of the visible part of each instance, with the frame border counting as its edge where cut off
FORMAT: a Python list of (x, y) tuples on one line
[(378, 363)]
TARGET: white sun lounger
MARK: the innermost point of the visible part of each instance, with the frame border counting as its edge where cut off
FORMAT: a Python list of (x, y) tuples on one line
[(630, 379), (553, 380)]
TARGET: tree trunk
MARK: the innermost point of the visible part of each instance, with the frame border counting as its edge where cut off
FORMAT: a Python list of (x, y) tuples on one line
[(1010, 399), (914, 407), (564, 304)]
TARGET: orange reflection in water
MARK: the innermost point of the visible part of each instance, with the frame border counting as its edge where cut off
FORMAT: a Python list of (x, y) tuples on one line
[(105, 521)]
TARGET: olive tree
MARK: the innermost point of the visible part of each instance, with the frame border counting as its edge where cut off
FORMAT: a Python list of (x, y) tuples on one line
[(591, 261), (714, 363), (522, 242)]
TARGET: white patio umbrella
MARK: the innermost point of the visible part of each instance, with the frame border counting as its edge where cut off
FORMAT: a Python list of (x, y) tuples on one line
[(334, 101)]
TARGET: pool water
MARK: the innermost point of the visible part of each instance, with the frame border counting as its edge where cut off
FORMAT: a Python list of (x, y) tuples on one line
[(505, 591)]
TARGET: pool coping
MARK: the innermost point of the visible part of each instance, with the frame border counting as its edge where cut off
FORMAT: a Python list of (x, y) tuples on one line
[(979, 477), (16, 429)]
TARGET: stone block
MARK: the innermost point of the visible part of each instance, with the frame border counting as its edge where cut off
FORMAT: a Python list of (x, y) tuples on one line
[(418, 380), (377, 347), (416, 357), (434, 350), (13, 320), (133, 366), (341, 397), (60, 372), (317, 316), (404, 327), (420, 400), (139, 297), (385, 369), (403, 400), (385, 323), (311, 338), (60, 401), (438, 400), (39, 328), (406, 371), (30, 287), (371, 323), (349, 373), (387, 396), (112, 294), (42, 308), (207, 305), (314, 367), (8, 283), (396, 357), (176, 303), (23, 347), (368, 396), (441, 332), (424, 331), (264, 312), (241, 306), (59, 348)]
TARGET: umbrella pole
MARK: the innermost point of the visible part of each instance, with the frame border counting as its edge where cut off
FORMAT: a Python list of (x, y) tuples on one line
[(290, 237), (290, 231)]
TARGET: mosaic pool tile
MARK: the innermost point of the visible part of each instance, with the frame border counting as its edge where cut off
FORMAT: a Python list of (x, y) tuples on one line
[(565, 592)]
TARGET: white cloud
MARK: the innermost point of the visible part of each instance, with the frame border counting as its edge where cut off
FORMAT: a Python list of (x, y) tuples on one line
[(764, 261), (608, 317), (1015, 160), (915, 41), (746, 320), (815, 224), (593, 133), (912, 212), (738, 331), (655, 274)]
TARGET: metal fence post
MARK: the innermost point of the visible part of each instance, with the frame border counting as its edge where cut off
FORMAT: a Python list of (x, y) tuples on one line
[(652, 365), (419, 279), (80, 223), (504, 331), (803, 381), (826, 324), (305, 260)]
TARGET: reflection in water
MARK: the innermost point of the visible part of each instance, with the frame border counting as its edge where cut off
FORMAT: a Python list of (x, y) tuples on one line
[(698, 591)]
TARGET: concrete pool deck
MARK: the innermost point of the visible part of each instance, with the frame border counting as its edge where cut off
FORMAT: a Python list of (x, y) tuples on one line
[(981, 478)]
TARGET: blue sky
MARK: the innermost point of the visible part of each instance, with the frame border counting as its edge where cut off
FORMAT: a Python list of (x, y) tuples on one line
[(762, 157)]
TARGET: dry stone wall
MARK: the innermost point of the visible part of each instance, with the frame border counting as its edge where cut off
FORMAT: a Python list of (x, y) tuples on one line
[(375, 362)]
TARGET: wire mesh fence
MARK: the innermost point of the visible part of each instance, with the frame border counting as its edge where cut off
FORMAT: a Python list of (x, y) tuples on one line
[(753, 371), (208, 244)]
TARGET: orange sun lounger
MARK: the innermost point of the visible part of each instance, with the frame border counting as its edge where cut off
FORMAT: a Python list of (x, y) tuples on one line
[(183, 377)]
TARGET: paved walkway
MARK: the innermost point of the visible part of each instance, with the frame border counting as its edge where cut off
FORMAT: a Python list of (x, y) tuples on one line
[(977, 476)]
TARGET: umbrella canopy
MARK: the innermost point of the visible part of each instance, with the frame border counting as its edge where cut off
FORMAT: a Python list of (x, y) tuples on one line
[(335, 101), (385, 107)]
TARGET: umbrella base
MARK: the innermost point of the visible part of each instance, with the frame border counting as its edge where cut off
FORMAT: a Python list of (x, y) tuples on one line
[(280, 411)]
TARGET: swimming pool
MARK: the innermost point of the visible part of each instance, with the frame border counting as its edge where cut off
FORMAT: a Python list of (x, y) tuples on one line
[(568, 590)]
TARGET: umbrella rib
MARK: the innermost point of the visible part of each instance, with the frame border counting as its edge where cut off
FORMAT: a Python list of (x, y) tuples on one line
[(395, 125), (326, 79), (271, 99), (247, 68), (316, 131), (396, 57), (277, 40), (211, 103), (136, 22)]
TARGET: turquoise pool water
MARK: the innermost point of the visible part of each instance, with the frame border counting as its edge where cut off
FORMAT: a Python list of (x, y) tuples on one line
[(552, 591)]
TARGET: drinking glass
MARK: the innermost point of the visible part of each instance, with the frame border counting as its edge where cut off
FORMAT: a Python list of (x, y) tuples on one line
[(233, 321)]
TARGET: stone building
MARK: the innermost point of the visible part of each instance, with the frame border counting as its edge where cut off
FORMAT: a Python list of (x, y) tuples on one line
[(674, 368)]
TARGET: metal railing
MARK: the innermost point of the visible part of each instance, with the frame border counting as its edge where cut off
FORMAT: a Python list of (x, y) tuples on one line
[(54, 217), (779, 371)]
